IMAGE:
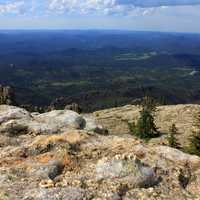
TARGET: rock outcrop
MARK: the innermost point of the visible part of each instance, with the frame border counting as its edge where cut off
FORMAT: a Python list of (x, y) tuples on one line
[(60, 103), (15, 121), (7, 95), (60, 156), (126, 169), (74, 106)]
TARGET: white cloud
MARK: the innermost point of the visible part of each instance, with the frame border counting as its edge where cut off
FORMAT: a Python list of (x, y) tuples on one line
[(12, 7), (159, 3), (107, 7), (91, 7), (82, 6)]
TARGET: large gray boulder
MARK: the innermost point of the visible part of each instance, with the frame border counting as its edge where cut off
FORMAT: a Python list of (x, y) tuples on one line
[(15, 121), (46, 170), (126, 170), (13, 113), (177, 156), (92, 125), (56, 121)]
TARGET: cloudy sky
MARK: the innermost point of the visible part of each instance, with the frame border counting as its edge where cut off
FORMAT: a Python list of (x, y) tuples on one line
[(155, 15)]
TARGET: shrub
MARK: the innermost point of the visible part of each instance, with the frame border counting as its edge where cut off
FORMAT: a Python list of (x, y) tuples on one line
[(172, 141)]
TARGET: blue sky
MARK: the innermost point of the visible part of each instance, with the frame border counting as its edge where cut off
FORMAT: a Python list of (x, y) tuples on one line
[(154, 15)]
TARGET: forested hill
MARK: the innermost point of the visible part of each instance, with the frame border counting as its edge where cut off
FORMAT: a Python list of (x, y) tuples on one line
[(99, 69)]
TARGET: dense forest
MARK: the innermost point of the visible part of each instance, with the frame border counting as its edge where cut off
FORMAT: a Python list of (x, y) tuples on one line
[(100, 69)]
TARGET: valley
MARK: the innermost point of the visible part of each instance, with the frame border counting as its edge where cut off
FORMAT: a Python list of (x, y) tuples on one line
[(100, 69)]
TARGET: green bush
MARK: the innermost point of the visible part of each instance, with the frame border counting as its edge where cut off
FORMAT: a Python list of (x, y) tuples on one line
[(145, 127)]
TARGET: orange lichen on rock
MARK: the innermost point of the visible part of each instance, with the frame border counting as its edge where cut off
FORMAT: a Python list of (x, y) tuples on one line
[(10, 162), (44, 158), (71, 136), (63, 157)]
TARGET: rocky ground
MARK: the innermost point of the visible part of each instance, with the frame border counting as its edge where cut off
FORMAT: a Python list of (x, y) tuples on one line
[(61, 155)]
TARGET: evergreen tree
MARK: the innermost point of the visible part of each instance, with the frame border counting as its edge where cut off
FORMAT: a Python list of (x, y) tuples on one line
[(145, 127), (194, 147), (172, 141)]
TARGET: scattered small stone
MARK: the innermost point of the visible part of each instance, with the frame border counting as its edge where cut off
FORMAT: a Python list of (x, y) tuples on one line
[(46, 183)]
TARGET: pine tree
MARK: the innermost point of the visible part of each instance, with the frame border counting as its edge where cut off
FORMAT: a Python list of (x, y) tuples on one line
[(145, 127), (194, 147), (172, 141)]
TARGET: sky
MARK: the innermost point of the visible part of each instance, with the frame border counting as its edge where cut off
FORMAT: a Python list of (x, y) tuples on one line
[(143, 15)]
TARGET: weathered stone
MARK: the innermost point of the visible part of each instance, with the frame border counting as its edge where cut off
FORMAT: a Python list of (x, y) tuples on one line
[(92, 126), (50, 170), (69, 193), (15, 121), (13, 113), (14, 128), (133, 171), (177, 156), (59, 119)]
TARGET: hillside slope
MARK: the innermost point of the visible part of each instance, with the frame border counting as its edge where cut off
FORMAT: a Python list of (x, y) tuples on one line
[(61, 155), (116, 119)]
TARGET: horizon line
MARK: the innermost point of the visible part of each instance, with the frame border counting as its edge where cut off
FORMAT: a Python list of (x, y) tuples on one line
[(94, 29)]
